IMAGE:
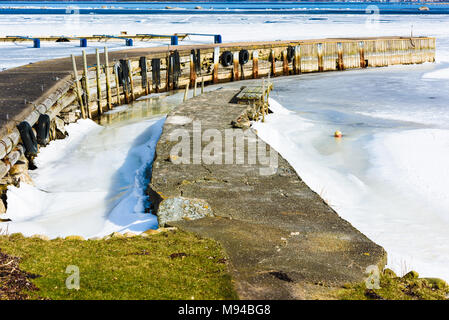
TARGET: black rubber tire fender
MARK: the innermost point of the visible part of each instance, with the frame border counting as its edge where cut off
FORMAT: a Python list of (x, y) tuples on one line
[(243, 56), (290, 53), (226, 58), (43, 129), (28, 138)]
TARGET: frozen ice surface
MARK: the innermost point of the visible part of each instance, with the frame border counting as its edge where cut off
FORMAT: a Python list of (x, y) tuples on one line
[(388, 175), (92, 183)]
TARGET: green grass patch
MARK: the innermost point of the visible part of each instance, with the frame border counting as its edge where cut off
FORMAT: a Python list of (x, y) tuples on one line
[(408, 287), (171, 265)]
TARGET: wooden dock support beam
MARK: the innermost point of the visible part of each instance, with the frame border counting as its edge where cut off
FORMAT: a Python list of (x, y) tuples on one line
[(362, 54), (273, 63), (192, 69), (98, 69), (86, 85), (235, 70), (78, 88), (202, 85), (117, 83), (131, 80), (297, 61), (320, 57), (124, 67), (108, 80), (144, 74), (186, 92), (216, 60), (255, 64), (340, 63), (194, 88), (285, 62)]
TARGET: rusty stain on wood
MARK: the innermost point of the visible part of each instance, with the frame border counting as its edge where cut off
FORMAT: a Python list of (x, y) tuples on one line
[(192, 70), (340, 64), (235, 70), (297, 59), (285, 62), (255, 64)]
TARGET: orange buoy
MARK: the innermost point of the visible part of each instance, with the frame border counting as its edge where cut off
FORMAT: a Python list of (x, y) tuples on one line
[(338, 134)]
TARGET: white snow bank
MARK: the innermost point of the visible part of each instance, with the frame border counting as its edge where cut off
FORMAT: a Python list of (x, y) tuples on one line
[(438, 74)]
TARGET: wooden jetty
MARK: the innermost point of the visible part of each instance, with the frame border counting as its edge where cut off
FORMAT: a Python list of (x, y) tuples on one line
[(50, 87), (173, 38)]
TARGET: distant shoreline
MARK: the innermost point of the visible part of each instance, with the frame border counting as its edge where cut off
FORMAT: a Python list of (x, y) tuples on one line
[(181, 11)]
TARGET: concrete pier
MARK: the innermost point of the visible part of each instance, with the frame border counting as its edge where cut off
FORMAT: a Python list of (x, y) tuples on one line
[(283, 240)]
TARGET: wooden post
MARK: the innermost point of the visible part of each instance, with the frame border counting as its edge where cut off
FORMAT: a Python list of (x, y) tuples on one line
[(273, 63), (235, 70), (263, 100), (78, 88), (144, 75), (117, 85), (216, 60), (362, 54), (167, 80), (108, 81), (297, 59), (186, 92), (124, 67), (255, 64), (97, 54), (126, 88), (320, 57), (285, 62), (131, 80), (192, 70), (194, 88), (340, 56), (86, 85), (202, 85)]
